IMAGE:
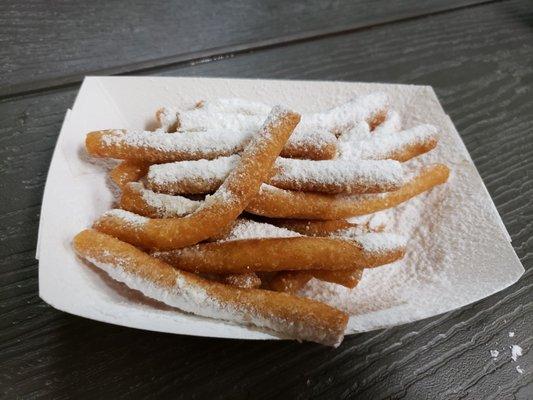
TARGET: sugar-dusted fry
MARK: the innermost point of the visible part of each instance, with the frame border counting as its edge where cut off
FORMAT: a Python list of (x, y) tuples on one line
[(399, 146), (159, 147), (278, 203), (218, 210), (338, 176), (190, 177), (315, 145), (281, 313), (128, 171), (328, 176), (295, 253)]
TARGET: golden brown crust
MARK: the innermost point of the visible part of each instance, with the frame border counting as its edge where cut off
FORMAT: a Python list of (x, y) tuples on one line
[(128, 171), (310, 150), (412, 150), (223, 207), (287, 315), (295, 253), (279, 203)]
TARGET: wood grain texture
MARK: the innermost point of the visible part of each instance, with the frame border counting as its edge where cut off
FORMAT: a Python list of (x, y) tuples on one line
[(480, 62), (54, 43)]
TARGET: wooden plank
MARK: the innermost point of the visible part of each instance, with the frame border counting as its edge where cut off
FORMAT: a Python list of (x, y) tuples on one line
[(51, 44), (479, 61)]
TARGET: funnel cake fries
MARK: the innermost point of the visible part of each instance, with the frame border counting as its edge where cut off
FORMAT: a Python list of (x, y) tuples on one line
[(316, 185), (329, 176), (286, 315), (279, 203), (218, 210), (296, 253)]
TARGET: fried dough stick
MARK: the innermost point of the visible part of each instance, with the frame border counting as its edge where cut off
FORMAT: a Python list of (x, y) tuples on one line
[(278, 203), (161, 147), (277, 254), (281, 313)]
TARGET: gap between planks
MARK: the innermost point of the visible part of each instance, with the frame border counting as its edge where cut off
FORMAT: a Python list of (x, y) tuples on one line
[(217, 53)]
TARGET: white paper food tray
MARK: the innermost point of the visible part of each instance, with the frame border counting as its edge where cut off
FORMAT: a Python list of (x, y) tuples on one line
[(459, 253)]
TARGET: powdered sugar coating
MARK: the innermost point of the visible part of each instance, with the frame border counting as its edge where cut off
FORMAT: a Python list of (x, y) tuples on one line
[(128, 217), (358, 145), (166, 118), (379, 221), (235, 105), (340, 172), (193, 295), (201, 120), (241, 116), (167, 206), (206, 170), (345, 116), (248, 229), (381, 242), (392, 123), (210, 142)]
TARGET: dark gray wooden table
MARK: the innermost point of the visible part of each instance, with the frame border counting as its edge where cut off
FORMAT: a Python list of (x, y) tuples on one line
[(478, 55)]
